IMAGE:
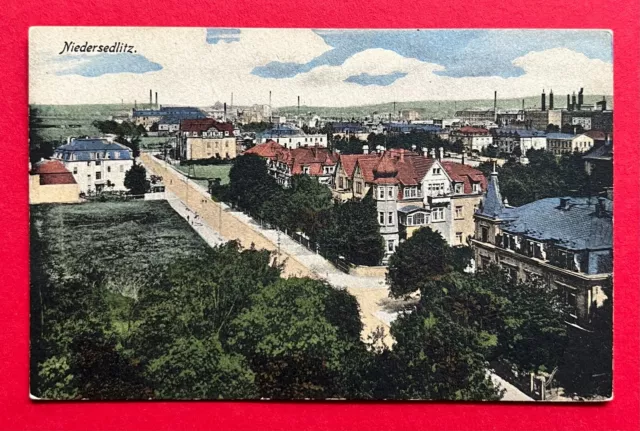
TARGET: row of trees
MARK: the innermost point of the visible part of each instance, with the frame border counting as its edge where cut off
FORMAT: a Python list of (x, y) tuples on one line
[(348, 229), (547, 176), (225, 325)]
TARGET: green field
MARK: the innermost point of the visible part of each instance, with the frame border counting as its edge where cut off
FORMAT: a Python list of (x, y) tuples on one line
[(207, 171), (117, 238)]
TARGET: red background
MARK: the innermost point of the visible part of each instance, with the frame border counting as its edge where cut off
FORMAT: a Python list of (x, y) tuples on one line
[(18, 412)]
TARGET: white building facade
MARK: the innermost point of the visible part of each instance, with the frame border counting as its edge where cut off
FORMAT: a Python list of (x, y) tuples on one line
[(96, 164)]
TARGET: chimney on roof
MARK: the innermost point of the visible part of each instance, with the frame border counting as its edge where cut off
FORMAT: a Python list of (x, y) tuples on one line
[(551, 100), (365, 149), (425, 152), (402, 154), (573, 101), (441, 153), (433, 153), (413, 147)]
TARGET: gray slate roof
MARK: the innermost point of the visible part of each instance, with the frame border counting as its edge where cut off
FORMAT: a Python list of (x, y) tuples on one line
[(82, 149), (576, 228)]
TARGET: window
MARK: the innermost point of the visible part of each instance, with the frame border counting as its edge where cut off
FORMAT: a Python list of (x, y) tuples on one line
[(75, 169), (419, 219), (436, 171), (484, 233), (459, 188), (390, 245), (390, 192), (305, 170), (390, 218), (89, 178), (458, 237), (98, 162), (381, 217), (459, 212), (411, 192), (116, 154), (380, 192), (437, 214), (98, 175), (108, 168), (121, 168), (476, 187)]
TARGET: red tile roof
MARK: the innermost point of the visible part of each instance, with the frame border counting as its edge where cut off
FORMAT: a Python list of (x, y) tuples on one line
[(465, 174), (270, 150), (348, 161), (203, 124), (468, 130), (52, 172)]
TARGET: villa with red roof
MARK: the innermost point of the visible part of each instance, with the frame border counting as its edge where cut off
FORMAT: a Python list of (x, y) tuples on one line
[(206, 138), (412, 191), (283, 163)]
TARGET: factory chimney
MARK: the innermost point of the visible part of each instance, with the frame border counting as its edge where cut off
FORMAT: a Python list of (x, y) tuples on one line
[(573, 101), (495, 106), (543, 101), (580, 98), (224, 115), (298, 106), (568, 102), (551, 100), (157, 100), (269, 100), (231, 105), (523, 104), (150, 99)]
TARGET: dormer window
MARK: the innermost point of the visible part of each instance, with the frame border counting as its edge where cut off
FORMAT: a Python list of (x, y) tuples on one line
[(381, 192), (476, 187), (459, 188)]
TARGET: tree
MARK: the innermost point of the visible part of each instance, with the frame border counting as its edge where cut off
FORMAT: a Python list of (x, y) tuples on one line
[(305, 200), (351, 230), (135, 179), (297, 344), (250, 185), (423, 256), (194, 368), (436, 358)]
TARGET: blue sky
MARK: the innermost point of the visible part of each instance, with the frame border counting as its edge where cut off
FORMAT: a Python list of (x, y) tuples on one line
[(463, 53)]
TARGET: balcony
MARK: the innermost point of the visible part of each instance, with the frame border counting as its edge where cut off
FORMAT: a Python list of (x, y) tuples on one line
[(439, 200)]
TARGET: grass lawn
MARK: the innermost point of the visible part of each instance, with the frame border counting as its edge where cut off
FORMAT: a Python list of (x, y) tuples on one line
[(118, 238), (207, 171)]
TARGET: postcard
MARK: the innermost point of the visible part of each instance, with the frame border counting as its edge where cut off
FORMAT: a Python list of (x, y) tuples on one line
[(296, 214)]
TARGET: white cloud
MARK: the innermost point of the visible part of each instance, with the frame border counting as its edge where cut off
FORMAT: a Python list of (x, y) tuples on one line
[(198, 73)]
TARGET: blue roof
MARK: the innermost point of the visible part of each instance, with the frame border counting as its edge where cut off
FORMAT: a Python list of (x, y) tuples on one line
[(560, 136), (82, 149), (575, 227), (492, 205)]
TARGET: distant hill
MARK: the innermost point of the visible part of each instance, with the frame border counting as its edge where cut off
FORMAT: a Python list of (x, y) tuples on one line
[(432, 108)]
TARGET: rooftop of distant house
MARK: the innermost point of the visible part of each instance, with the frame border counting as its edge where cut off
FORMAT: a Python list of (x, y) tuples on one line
[(204, 124), (52, 172)]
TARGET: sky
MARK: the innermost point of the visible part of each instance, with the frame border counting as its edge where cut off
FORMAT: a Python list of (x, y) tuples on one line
[(198, 66)]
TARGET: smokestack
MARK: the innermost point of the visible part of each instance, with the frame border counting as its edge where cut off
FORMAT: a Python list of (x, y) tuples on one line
[(543, 102), (580, 98), (495, 106), (523, 104), (135, 104), (231, 106), (150, 99), (298, 106), (224, 107), (156, 100), (551, 100), (573, 101)]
